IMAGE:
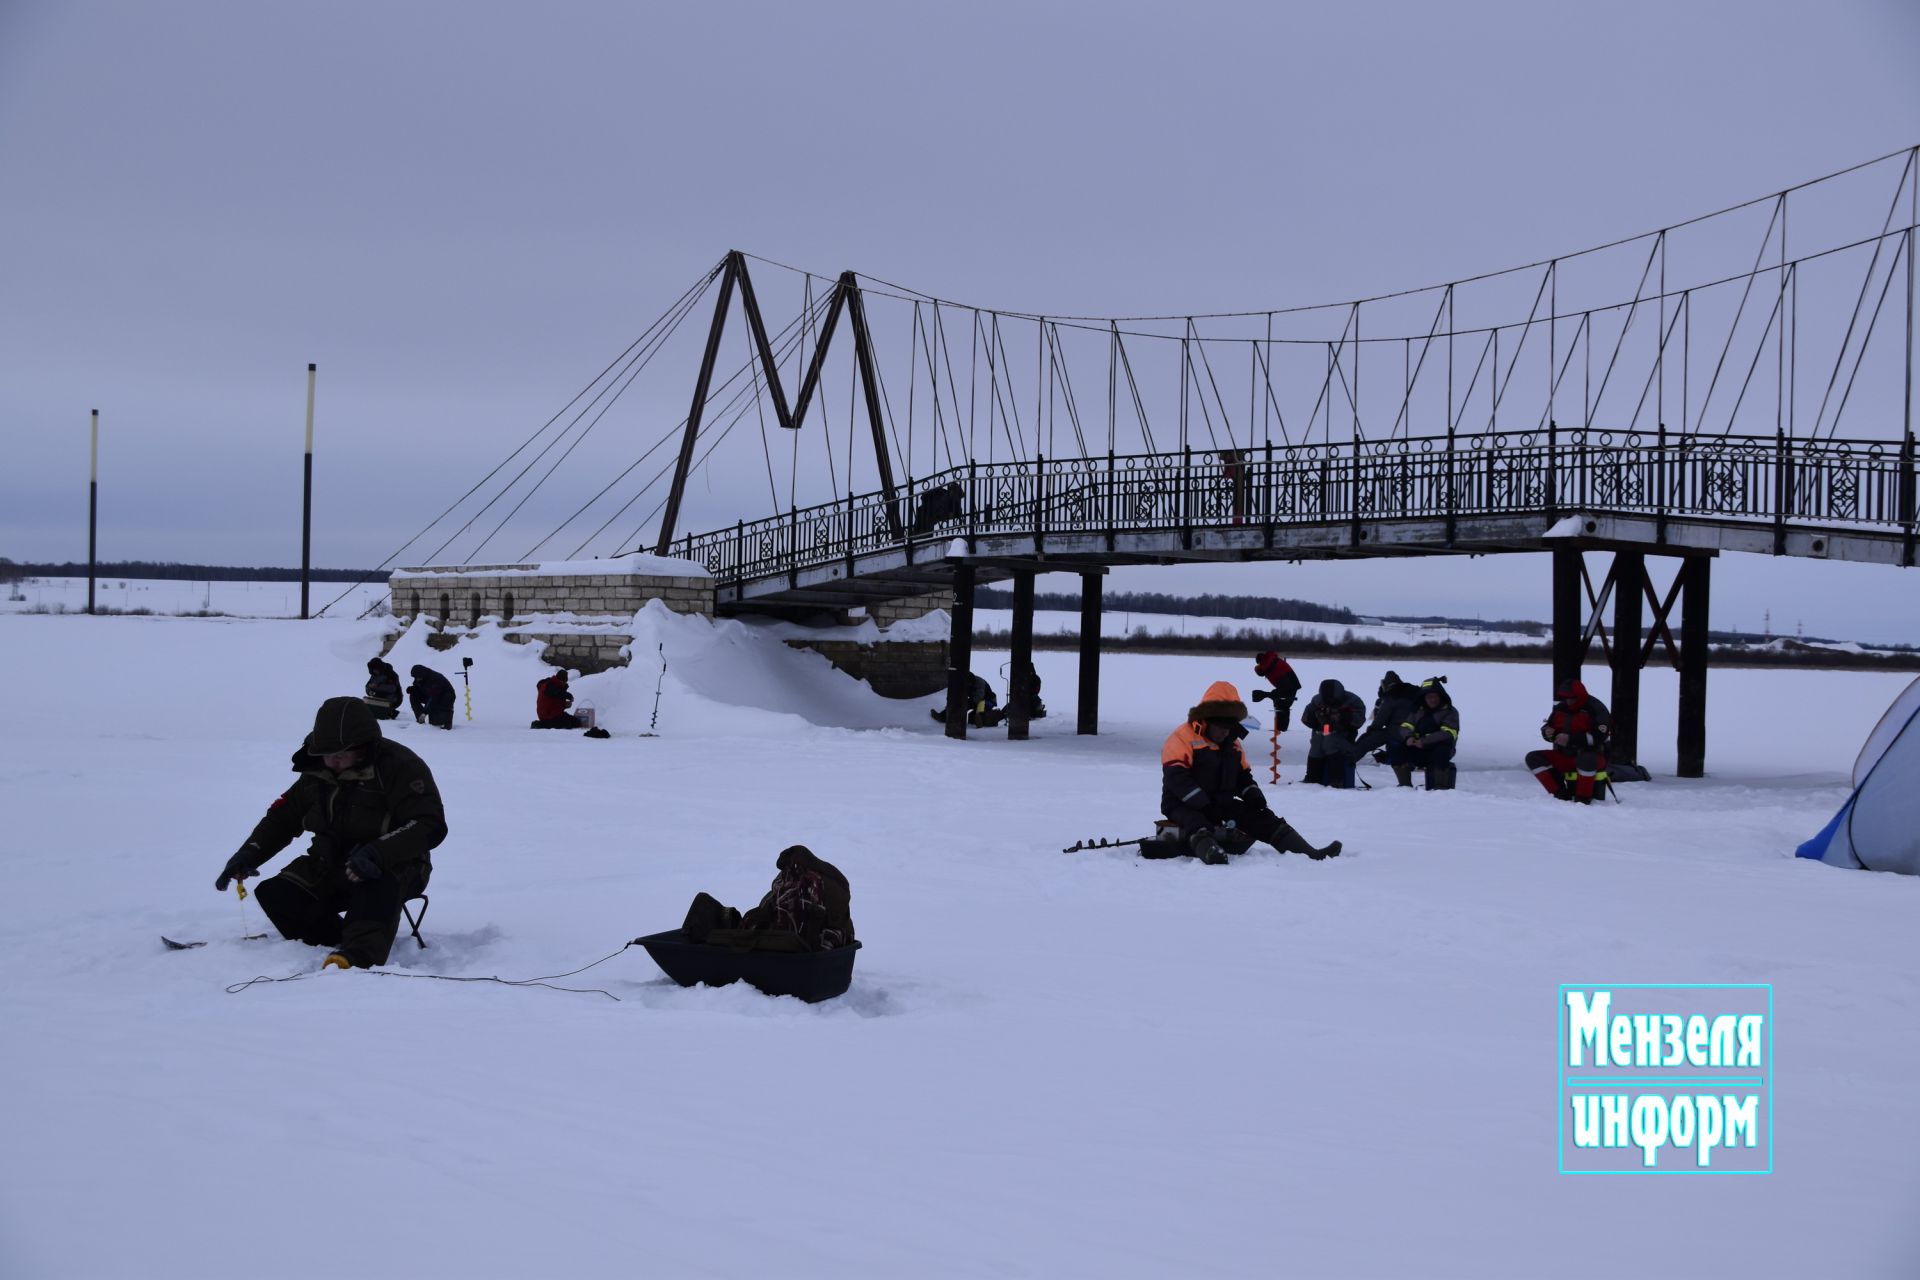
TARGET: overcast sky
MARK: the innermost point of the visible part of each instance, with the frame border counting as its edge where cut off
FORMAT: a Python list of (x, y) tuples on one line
[(461, 212)]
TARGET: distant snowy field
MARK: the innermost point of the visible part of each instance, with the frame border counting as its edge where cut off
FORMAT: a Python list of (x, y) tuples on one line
[(1049, 1065), (176, 596)]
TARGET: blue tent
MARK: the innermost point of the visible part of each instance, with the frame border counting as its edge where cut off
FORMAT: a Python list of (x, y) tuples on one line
[(1878, 828)]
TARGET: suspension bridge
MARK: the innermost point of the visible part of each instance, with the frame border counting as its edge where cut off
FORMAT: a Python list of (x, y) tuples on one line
[(1710, 386)]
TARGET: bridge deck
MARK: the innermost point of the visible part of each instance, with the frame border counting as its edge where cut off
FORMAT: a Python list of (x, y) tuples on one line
[(1840, 500)]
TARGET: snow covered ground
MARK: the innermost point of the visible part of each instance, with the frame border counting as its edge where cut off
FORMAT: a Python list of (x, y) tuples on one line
[(1048, 1065)]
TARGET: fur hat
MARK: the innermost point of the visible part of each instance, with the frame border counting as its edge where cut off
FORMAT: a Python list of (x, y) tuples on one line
[(1221, 702)]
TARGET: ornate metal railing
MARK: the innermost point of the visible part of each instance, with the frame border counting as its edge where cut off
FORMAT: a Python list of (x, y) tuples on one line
[(1777, 480)]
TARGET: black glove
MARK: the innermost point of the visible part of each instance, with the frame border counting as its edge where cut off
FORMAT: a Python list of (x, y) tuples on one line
[(363, 863), (239, 867)]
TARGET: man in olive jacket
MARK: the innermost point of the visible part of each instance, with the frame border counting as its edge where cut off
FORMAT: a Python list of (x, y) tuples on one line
[(375, 816)]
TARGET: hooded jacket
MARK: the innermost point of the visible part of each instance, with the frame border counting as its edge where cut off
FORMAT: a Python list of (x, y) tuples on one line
[(383, 684), (388, 799), (1335, 718), (553, 698), (1426, 722), (1394, 702), (1196, 772), (1581, 716), (432, 688)]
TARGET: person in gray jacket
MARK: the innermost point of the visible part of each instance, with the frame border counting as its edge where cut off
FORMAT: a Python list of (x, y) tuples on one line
[(1334, 718), (1428, 737)]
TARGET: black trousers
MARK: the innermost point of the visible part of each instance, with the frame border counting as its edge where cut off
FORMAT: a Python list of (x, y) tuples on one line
[(438, 714), (1331, 770), (312, 915), (1256, 822)]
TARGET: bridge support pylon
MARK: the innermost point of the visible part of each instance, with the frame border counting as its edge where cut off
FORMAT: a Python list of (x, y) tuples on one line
[(960, 651), (1629, 588), (1019, 696), (1695, 575), (1629, 576), (1090, 603)]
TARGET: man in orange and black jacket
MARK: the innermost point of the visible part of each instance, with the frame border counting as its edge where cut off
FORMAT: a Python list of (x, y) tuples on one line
[(1207, 788)]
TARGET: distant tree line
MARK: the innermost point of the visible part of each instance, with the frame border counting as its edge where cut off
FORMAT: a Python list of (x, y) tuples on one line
[(1292, 644), (1516, 627), (170, 570), (1280, 609)]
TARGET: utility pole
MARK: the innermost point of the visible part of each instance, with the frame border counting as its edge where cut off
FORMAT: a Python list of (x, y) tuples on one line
[(306, 503), (93, 504)]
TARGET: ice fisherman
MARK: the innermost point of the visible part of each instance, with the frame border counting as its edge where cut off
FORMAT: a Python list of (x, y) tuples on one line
[(375, 816), (1279, 673), (552, 699), (1335, 718), (1025, 686), (1207, 787), (983, 704), (1574, 766), (1428, 737), (431, 696), (383, 690), (1393, 702)]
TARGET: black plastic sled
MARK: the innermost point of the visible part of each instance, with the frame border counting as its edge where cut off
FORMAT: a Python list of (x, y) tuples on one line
[(812, 976)]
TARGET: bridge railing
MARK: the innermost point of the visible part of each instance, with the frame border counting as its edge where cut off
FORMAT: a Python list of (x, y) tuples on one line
[(1748, 478)]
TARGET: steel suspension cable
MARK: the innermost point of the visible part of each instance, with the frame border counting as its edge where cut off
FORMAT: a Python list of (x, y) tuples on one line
[(1865, 281), (695, 290), (637, 368), (786, 340)]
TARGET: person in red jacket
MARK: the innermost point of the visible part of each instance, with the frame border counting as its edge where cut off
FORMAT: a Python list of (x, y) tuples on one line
[(1278, 672), (1574, 767), (1208, 791), (551, 704)]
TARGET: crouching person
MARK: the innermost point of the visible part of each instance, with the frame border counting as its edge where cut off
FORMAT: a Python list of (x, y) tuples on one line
[(1393, 704), (383, 690), (983, 704), (1335, 718), (551, 701), (1208, 790), (431, 697), (1574, 767), (375, 816), (1428, 738)]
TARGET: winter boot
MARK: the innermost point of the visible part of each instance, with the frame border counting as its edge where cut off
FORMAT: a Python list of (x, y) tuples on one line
[(1403, 775), (1287, 840), (1440, 777), (336, 961), (1207, 849)]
